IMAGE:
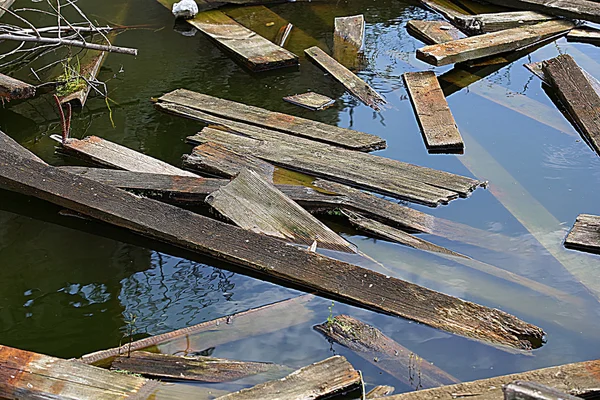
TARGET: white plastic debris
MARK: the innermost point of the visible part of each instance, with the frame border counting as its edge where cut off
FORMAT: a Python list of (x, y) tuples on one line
[(185, 9)]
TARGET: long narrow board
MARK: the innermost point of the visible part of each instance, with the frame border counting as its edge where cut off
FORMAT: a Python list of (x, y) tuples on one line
[(447, 9), (585, 35), (575, 9), (585, 234), (494, 22), (433, 32), (14, 89), (9, 144), (255, 205), (250, 49), (343, 75), (285, 123), (319, 380), (433, 113), (265, 256), (521, 390), (577, 95), (5, 4), (491, 44)]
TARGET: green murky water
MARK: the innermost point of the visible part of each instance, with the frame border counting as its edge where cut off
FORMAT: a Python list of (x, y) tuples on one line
[(67, 286)]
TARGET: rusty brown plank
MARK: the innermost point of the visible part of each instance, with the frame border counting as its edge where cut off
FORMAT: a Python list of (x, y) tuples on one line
[(432, 32), (14, 89)]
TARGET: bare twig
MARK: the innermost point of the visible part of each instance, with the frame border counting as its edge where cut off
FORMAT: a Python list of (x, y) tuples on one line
[(65, 42)]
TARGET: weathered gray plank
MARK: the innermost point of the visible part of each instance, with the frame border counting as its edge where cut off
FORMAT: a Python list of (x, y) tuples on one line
[(265, 255), (312, 101), (5, 4), (14, 89), (348, 41), (585, 234), (432, 32), (242, 113), (521, 390), (385, 353), (255, 205), (351, 82), (380, 391), (574, 9), (315, 381), (494, 22), (366, 171), (577, 95), (491, 43), (585, 34), (189, 368), (448, 10), (433, 113), (9, 144)]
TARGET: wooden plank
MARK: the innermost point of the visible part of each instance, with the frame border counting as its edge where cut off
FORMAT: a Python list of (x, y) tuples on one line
[(90, 68), (585, 34), (348, 41), (311, 100), (14, 89), (577, 95), (322, 379), (265, 256), (585, 234), (432, 32), (447, 9), (5, 4), (296, 126), (9, 144), (250, 49), (494, 22), (433, 113), (491, 43), (574, 9), (385, 353), (351, 82), (366, 171), (568, 377), (255, 205), (380, 391), (189, 368), (520, 390)]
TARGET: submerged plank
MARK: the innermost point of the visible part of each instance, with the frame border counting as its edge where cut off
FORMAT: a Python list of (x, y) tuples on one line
[(351, 82), (575, 9), (385, 353), (296, 126), (255, 205), (432, 32), (577, 95), (322, 379), (491, 43), (311, 100), (14, 89), (433, 113), (265, 256), (494, 22), (585, 234)]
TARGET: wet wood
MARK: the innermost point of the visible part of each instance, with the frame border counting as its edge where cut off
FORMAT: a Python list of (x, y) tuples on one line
[(380, 391), (386, 232), (432, 32), (585, 234), (311, 100), (5, 4), (575, 9), (255, 205), (568, 377), (433, 113), (447, 9), (14, 89), (250, 49), (248, 115), (585, 34), (268, 257), (494, 22), (348, 41), (351, 82), (322, 379), (491, 43), (9, 144), (520, 390), (385, 353), (366, 171), (89, 70), (189, 368)]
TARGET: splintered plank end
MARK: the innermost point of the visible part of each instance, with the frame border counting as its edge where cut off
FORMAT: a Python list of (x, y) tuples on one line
[(311, 100), (585, 234), (433, 114), (14, 89), (433, 32)]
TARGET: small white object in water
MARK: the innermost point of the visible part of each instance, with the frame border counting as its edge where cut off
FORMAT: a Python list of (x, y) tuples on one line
[(185, 9)]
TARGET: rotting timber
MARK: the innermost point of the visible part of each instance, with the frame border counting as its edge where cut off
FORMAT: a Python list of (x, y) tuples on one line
[(266, 256)]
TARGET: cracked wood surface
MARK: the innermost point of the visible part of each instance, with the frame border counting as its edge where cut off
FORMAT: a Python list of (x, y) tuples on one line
[(432, 32), (585, 234), (494, 22), (575, 9)]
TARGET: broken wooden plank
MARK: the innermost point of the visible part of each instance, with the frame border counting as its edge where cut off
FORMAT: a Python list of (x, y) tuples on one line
[(380, 391), (447, 9), (321, 379), (255, 205), (351, 82), (265, 256), (432, 32), (577, 376), (585, 234), (9, 144), (14, 89), (494, 22), (348, 41), (289, 124), (250, 49), (577, 95), (584, 34), (189, 368), (433, 113), (575, 9), (385, 353), (90, 68), (521, 390), (311, 100), (366, 171), (491, 43)]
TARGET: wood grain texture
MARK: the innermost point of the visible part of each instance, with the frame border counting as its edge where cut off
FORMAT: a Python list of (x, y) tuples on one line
[(584, 34), (577, 95), (351, 30), (432, 32), (380, 391), (5, 4), (585, 234), (14, 89), (433, 113), (491, 43), (311, 100), (315, 381), (447, 9), (9, 144), (343, 75), (520, 390), (494, 22), (385, 353), (255, 205), (249, 115), (575, 9), (265, 256)]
